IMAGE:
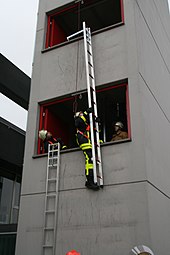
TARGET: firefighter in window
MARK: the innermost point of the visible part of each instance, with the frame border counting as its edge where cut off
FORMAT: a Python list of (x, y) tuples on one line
[(118, 132), (83, 140), (47, 139)]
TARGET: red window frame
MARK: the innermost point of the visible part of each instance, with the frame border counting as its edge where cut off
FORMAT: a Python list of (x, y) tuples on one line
[(127, 103), (52, 38), (44, 113)]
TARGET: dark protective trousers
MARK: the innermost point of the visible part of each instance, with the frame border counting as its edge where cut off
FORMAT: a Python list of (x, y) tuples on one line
[(85, 145)]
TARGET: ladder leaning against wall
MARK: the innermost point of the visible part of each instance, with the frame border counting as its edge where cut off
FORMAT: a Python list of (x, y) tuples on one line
[(92, 102), (51, 200)]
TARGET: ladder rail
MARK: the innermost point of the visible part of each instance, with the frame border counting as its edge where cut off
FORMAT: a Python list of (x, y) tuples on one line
[(91, 76), (90, 79), (90, 103), (95, 111), (57, 198)]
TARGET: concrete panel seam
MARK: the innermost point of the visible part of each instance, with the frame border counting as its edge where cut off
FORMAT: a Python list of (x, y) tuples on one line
[(107, 185), (163, 193), (31, 194), (154, 97), (161, 21)]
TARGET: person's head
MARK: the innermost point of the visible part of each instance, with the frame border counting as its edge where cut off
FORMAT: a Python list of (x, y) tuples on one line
[(42, 134), (118, 126), (48, 135)]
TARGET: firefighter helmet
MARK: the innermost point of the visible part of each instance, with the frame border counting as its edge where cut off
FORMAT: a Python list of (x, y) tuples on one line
[(141, 250), (42, 134), (119, 124), (73, 252), (77, 114)]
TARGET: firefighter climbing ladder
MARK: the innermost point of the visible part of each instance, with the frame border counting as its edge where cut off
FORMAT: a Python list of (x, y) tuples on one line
[(92, 102), (51, 200)]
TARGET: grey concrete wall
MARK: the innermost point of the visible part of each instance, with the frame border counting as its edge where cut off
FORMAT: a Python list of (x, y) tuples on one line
[(153, 44), (159, 212), (112, 220)]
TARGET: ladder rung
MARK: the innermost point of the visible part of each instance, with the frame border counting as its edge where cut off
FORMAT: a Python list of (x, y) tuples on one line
[(50, 211), (53, 153), (47, 246), (90, 64), (89, 52), (49, 229), (91, 76), (52, 180), (53, 150), (53, 157), (99, 177), (54, 165), (51, 195)]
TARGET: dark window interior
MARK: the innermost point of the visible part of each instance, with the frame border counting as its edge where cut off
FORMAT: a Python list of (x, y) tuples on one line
[(97, 14), (58, 116), (7, 243)]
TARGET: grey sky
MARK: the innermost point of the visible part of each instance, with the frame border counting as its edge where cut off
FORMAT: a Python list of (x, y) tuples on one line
[(17, 28)]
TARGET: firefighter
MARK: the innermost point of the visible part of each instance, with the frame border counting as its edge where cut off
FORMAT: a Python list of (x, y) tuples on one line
[(119, 133), (49, 139), (73, 252), (83, 140)]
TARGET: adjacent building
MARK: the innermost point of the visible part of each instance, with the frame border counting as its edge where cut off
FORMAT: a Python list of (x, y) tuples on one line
[(15, 85)]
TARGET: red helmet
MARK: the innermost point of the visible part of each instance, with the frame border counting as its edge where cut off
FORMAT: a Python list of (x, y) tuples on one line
[(73, 252)]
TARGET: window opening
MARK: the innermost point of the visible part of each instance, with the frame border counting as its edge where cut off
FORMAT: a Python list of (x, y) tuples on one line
[(97, 14), (58, 116), (9, 200)]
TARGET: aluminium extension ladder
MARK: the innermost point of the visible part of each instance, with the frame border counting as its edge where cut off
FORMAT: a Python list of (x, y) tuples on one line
[(92, 102), (51, 200)]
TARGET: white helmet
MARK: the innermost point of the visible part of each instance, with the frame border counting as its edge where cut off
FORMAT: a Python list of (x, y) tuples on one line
[(77, 114), (142, 249), (119, 124), (42, 134)]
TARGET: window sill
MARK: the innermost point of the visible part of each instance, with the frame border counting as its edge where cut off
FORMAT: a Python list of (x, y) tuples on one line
[(116, 142), (81, 37), (78, 149)]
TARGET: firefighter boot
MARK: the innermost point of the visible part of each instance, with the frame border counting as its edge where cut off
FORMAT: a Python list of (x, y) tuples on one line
[(90, 182)]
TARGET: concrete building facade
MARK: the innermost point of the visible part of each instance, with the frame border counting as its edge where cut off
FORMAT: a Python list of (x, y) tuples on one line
[(133, 208)]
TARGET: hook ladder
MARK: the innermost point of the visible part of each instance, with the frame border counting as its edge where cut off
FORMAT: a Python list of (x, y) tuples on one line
[(92, 102), (51, 200)]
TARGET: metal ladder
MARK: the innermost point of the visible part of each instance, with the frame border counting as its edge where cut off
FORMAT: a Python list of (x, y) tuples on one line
[(51, 200), (92, 102)]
